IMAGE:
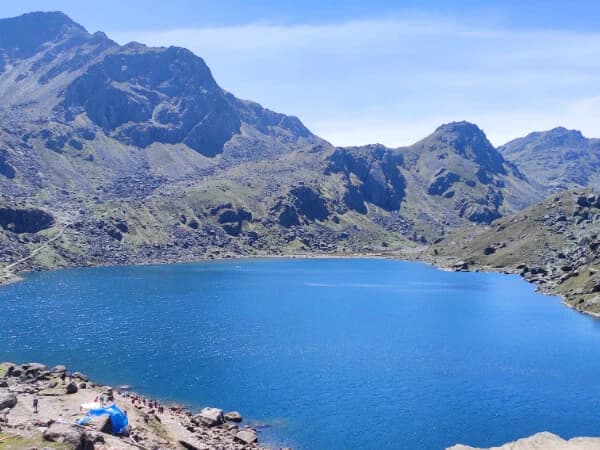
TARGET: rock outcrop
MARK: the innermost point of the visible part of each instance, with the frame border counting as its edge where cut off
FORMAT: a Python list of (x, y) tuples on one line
[(371, 175), (25, 220)]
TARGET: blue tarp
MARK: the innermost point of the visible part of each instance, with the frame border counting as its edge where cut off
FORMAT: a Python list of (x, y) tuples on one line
[(117, 417)]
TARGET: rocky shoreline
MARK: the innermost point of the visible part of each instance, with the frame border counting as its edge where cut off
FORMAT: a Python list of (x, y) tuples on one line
[(60, 394), (553, 245)]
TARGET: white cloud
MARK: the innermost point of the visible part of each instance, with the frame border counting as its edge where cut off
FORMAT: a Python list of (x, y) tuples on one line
[(394, 80)]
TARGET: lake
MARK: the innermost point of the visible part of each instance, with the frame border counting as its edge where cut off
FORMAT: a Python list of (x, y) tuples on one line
[(330, 353)]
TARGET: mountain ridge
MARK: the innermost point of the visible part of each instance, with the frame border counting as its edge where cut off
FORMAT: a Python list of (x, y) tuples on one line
[(146, 158)]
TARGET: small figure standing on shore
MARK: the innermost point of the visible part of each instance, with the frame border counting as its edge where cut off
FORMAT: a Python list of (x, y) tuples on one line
[(63, 376), (35, 404), (101, 400)]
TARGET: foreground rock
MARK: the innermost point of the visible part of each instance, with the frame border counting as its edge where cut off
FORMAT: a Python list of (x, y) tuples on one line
[(152, 426), (542, 441), (246, 436), (210, 417), (7, 401)]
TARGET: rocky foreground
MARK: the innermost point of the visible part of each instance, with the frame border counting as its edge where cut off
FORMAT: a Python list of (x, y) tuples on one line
[(542, 441), (60, 397)]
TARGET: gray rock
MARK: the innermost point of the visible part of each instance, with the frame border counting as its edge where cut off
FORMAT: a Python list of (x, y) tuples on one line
[(233, 416), (63, 433), (71, 388), (461, 266), (7, 401), (80, 376), (58, 369), (209, 417), (246, 436), (36, 367)]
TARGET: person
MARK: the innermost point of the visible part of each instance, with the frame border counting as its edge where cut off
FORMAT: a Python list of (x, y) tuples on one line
[(102, 400), (63, 376), (35, 405)]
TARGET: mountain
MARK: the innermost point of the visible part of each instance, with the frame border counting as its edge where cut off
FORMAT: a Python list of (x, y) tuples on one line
[(128, 154), (558, 159), (553, 244), (452, 175)]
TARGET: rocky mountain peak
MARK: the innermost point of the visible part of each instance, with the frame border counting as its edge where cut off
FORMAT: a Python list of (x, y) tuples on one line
[(462, 136), (460, 128), (468, 141), (23, 36)]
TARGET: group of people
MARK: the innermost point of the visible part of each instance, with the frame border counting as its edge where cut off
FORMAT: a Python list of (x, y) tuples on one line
[(141, 401)]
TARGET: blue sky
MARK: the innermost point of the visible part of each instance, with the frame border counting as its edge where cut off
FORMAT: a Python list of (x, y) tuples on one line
[(359, 72)]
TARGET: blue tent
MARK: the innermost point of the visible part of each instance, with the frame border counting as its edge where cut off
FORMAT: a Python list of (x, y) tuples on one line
[(118, 418)]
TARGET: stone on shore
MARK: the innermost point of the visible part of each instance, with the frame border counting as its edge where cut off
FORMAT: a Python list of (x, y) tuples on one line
[(246, 436), (80, 376), (541, 441), (58, 369), (209, 417), (35, 367), (7, 401), (71, 388), (233, 416)]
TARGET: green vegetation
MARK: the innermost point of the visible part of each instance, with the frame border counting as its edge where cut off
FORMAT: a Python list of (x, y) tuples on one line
[(14, 442)]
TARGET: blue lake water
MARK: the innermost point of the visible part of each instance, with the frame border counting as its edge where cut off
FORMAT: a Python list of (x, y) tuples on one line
[(333, 354)]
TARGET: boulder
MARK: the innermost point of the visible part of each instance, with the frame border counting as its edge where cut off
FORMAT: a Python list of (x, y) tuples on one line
[(233, 416), (71, 388), (461, 266), (209, 417), (7, 401), (246, 436), (63, 433), (35, 367), (489, 250), (58, 369), (80, 376)]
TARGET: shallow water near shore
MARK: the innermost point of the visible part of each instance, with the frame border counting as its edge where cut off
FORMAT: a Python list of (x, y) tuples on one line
[(332, 354)]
